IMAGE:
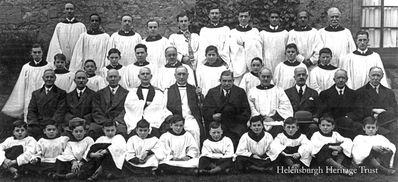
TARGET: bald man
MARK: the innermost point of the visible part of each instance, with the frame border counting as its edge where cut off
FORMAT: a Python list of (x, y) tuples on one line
[(108, 105), (378, 101), (271, 102), (336, 37), (145, 102), (65, 35), (47, 103), (304, 99), (340, 102)]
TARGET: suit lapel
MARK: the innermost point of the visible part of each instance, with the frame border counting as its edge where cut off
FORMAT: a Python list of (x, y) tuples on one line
[(116, 98), (49, 96), (305, 95), (177, 93), (107, 96)]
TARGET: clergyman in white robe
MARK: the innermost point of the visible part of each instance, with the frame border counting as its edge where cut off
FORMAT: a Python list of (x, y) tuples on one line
[(64, 39), (358, 64), (244, 45), (284, 73), (90, 45), (156, 46), (29, 80), (308, 43), (321, 77), (274, 41)]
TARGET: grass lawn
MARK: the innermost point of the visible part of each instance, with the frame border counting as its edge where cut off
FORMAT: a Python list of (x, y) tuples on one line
[(238, 178)]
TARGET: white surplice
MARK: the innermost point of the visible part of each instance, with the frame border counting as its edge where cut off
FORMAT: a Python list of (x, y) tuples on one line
[(29, 149), (136, 147), (126, 45), (363, 146)]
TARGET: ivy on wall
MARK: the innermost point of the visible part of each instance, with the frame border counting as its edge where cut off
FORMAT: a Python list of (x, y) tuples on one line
[(258, 9)]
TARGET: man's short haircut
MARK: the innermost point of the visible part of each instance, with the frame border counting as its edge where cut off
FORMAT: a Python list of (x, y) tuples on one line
[(292, 45), (60, 56), (243, 10), (290, 120), (95, 14), (182, 14), (361, 32), (126, 14), (109, 123), (36, 45), (80, 71), (256, 119), (49, 69), (257, 59), (330, 10), (214, 125), (307, 12), (176, 118), (152, 20), (213, 6), (274, 11), (326, 50), (170, 47), (211, 48), (114, 50), (227, 73), (88, 61), (375, 67), (143, 123), (141, 46), (19, 124), (328, 119), (370, 120)]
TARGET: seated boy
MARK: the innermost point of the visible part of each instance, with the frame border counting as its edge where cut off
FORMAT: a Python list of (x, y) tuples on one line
[(373, 150), (69, 163), (253, 147), (106, 155), (217, 151), (329, 147), (293, 148), (48, 149), (180, 149), (143, 151), (17, 150)]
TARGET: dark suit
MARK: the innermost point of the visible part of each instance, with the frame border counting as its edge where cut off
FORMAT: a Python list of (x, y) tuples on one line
[(343, 109), (106, 108), (44, 106), (308, 102), (370, 99), (174, 104), (234, 109), (82, 107)]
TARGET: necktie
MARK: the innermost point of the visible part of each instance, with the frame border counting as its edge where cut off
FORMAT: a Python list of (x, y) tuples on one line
[(341, 92), (113, 91), (376, 90), (79, 94), (301, 91), (47, 91)]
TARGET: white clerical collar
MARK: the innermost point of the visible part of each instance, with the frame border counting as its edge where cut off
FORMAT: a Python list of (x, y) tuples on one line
[(362, 51), (302, 87), (70, 20), (37, 62), (338, 90), (274, 28), (243, 26)]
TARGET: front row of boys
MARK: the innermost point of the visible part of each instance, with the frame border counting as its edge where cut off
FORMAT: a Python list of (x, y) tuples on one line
[(176, 151)]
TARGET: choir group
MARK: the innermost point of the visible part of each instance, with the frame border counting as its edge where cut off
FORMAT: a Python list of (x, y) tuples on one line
[(218, 102)]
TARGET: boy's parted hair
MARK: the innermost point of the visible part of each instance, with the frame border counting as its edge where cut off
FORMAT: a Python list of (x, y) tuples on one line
[(214, 125), (76, 122), (256, 119), (88, 61), (19, 124), (109, 123), (176, 118), (50, 122), (114, 50), (143, 123), (325, 50), (290, 120), (60, 56), (370, 120), (257, 59), (328, 119)]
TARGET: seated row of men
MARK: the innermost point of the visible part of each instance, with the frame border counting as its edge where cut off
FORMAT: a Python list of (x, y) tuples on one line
[(176, 152)]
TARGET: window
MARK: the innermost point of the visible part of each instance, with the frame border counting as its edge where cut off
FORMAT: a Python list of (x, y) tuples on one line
[(380, 19)]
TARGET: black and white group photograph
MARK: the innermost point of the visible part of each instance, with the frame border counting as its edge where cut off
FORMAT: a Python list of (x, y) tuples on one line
[(199, 90)]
